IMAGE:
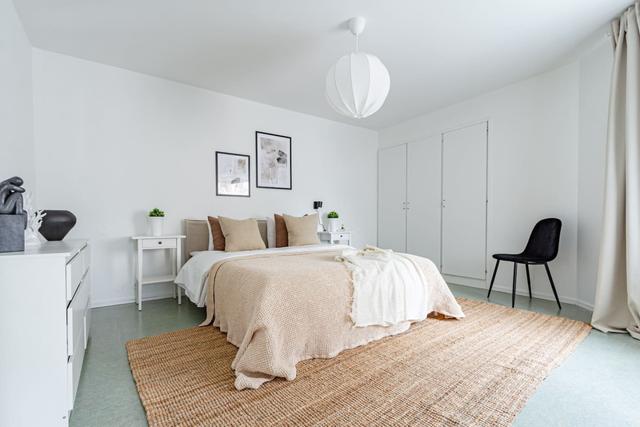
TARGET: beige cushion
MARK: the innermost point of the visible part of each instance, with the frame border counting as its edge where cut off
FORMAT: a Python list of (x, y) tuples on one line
[(241, 234), (302, 230)]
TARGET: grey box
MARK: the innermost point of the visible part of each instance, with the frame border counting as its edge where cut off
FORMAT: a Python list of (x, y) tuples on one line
[(12, 232)]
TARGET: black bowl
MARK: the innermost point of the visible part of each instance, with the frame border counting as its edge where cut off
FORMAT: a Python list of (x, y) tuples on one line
[(56, 224)]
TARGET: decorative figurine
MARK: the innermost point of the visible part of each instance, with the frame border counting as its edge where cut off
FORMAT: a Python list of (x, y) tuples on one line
[(13, 220), (11, 196), (34, 220)]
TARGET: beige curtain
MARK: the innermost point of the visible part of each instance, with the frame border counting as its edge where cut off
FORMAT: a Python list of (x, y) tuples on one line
[(617, 305)]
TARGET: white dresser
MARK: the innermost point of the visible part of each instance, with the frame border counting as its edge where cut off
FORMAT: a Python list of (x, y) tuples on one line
[(44, 328)]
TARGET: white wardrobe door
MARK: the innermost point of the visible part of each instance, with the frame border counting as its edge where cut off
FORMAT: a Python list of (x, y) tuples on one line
[(423, 197), (464, 201), (392, 188)]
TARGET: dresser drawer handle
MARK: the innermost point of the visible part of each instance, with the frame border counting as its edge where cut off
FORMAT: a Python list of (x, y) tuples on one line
[(160, 243)]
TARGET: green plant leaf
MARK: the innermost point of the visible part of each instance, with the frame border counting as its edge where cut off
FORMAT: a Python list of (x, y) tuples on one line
[(155, 212)]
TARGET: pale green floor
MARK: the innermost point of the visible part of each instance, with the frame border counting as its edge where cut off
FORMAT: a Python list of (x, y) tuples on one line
[(598, 384)]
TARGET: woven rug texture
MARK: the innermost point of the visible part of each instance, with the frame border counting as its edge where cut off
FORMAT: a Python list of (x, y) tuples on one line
[(478, 371)]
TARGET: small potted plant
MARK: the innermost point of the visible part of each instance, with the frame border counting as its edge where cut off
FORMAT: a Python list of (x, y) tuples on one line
[(156, 221), (332, 223)]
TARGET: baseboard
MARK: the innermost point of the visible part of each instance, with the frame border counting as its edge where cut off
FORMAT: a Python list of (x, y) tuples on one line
[(536, 294), (506, 289), (129, 300), (584, 304)]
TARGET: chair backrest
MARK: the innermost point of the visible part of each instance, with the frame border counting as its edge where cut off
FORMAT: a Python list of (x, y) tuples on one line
[(544, 240)]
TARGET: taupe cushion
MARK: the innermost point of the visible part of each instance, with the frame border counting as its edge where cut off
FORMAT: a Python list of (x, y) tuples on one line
[(302, 230), (282, 235), (241, 235)]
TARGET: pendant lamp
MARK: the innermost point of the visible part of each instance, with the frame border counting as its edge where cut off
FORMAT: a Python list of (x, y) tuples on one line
[(358, 84)]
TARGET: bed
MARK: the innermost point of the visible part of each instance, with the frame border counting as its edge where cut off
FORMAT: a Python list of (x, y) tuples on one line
[(282, 306)]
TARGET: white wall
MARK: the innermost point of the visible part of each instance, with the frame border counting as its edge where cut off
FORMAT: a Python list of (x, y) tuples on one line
[(595, 81), (111, 144), (16, 102), (534, 133)]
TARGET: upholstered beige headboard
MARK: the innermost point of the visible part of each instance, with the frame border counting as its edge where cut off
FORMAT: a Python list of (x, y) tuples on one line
[(197, 232)]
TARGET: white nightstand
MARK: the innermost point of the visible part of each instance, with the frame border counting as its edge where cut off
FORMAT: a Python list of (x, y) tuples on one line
[(145, 243), (333, 237)]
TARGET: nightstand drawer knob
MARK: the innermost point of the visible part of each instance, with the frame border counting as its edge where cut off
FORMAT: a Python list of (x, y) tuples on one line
[(160, 242)]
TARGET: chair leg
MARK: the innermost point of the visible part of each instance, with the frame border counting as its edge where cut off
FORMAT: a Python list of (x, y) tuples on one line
[(495, 270), (553, 287), (513, 292), (528, 280)]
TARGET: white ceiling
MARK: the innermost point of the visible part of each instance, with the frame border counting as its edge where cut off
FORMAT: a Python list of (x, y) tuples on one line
[(278, 52)]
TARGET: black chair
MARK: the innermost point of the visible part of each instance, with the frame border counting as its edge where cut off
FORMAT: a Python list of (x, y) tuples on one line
[(541, 248)]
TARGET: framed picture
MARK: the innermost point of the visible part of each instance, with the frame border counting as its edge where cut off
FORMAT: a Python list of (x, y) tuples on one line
[(273, 161), (232, 174)]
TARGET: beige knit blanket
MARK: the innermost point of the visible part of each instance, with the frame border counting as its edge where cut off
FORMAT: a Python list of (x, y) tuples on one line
[(280, 309)]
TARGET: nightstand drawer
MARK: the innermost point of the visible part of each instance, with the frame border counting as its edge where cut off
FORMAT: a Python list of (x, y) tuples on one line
[(334, 237), (158, 243)]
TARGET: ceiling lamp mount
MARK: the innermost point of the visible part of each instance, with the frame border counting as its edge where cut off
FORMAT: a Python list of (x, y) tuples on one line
[(356, 25), (358, 84)]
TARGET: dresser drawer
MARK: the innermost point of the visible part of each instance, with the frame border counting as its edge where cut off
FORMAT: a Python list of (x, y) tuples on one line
[(158, 243), (74, 369), (87, 323), (76, 317), (75, 271)]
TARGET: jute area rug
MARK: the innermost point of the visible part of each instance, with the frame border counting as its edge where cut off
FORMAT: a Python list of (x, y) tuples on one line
[(478, 371)]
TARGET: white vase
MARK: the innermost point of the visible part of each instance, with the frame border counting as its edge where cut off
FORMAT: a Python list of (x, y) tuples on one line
[(156, 223), (332, 224)]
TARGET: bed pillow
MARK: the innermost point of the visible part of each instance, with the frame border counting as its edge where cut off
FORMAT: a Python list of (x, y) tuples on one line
[(282, 236), (241, 234), (217, 237), (210, 234), (302, 230), (271, 232)]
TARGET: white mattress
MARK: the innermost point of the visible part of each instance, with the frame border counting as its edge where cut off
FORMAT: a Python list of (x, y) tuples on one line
[(192, 277)]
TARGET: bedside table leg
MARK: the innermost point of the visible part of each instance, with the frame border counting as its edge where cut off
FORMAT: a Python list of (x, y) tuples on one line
[(139, 276), (173, 270), (177, 268)]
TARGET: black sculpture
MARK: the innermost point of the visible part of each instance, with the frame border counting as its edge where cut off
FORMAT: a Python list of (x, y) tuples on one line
[(11, 196), (13, 219)]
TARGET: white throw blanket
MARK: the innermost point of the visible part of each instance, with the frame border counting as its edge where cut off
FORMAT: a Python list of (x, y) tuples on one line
[(388, 287)]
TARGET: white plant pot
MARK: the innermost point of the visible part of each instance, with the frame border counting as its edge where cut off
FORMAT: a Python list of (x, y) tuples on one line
[(156, 223), (332, 224)]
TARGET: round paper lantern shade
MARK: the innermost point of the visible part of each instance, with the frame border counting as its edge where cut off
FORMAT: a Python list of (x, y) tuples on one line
[(357, 85)]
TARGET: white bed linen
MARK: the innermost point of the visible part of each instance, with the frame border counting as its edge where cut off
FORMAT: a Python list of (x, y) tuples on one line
[(193, 275)]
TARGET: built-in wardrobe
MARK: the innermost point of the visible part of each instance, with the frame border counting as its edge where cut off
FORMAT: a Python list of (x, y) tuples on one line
[(432, 199)]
